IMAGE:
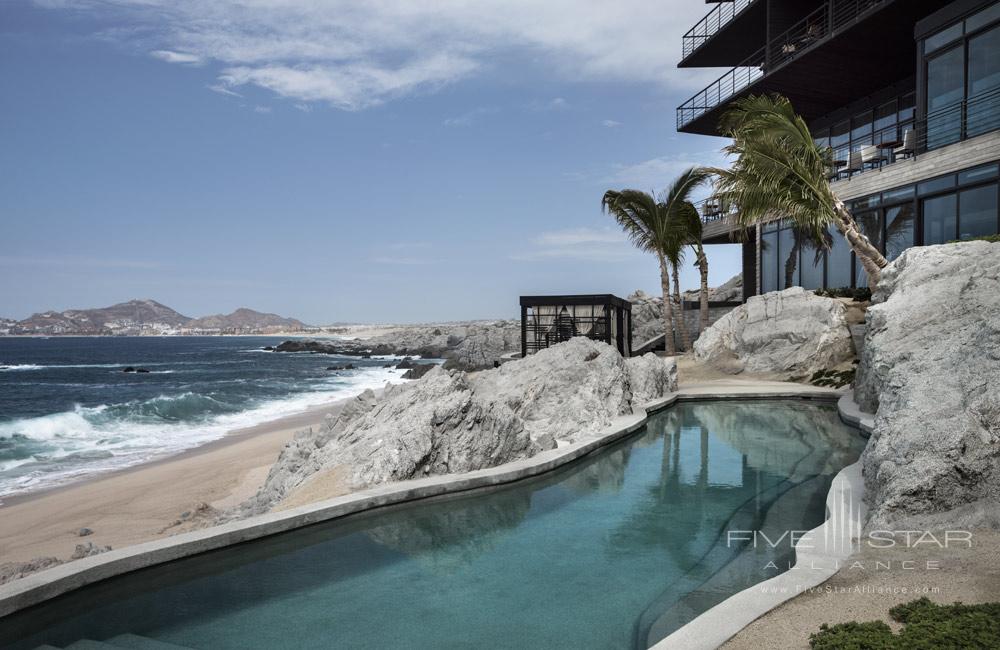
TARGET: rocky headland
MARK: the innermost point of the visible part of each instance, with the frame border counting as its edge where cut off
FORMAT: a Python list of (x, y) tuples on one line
[(463, 346), (453, 421)]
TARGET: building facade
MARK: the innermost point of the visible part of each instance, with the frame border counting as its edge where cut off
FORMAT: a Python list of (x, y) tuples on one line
[(905, 92)]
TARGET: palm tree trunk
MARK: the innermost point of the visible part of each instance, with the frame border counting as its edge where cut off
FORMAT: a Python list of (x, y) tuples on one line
[(679, 314), (792, 262), (668, 312), (868, 254), (703, 306)]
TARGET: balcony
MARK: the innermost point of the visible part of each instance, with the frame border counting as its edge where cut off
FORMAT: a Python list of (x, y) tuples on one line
[(715, 40), (821, 62), (964, 120)]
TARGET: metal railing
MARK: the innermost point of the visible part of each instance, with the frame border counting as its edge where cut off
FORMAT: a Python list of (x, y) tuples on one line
[(726, 86), (711, 24), (821, 23), (960, 121), (711, 210)]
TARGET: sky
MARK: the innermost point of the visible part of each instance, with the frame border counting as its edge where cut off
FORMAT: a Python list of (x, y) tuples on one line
[(377, 161)]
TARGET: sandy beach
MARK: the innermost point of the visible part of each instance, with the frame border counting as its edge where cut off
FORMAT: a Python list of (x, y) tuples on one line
[(145, 502)]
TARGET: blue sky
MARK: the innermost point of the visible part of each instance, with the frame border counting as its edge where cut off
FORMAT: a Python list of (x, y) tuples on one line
[(377, 161)]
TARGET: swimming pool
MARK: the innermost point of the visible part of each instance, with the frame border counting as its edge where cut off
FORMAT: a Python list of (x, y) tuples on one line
[(615, 550)]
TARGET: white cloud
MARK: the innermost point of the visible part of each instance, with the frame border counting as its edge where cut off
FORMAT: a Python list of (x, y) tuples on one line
[(611, 123), (261, 109), (176, 57), (218, 88), (468, 118), (587, 244), (352, 54), (656, 174)]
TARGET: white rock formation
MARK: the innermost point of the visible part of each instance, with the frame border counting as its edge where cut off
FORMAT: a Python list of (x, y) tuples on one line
[(450, 421), (464, 345), (930, 371), (790, 331), (647, 310)]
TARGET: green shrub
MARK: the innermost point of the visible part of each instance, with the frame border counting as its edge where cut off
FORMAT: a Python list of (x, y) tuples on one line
[(926, 626), (858, 294), (990, 238), (830, 378)]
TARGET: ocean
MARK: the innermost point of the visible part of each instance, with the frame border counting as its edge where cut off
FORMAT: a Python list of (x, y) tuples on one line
[(68, 411)]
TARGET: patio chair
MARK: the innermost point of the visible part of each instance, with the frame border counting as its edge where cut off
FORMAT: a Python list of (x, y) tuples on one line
[(871, 157), (854, 163), (909, 147)]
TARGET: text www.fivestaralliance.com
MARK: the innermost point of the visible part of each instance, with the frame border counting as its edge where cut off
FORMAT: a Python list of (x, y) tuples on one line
[(857, 589)]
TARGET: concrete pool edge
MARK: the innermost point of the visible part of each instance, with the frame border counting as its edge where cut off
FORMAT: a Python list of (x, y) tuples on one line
[(817, 556), (39, 587)]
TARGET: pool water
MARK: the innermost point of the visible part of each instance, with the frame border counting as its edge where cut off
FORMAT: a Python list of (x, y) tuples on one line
[(613, 551)]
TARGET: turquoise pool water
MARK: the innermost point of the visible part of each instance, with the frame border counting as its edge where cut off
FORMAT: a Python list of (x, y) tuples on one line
[(613, 551)]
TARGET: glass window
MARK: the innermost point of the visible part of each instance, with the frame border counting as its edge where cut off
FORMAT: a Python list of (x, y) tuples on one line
[(812, 269), (861, 126), (840, 139), (898, 194), (866, 202), (788, 258), (936, 185), (977, 212), (870, 223), (984, 80), (838, 267), (907, 107), (983, 18), (942, 38), (940, 223), (885, 122), (977, 174), (769, 262), (945, 92), (900, 229)]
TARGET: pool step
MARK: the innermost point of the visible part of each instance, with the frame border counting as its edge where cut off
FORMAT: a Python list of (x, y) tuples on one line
[(120, 642), (136, 642)]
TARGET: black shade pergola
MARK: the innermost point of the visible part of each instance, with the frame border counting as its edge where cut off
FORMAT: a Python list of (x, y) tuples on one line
[(547, 320)]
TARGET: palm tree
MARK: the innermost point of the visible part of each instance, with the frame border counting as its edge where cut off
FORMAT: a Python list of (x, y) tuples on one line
[(662, 227), (780, 171), (645, 224), (694, 230)]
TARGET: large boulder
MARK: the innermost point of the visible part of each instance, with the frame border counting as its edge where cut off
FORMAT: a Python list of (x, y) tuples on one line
[(930, 370), (790, 331), (451, 421)]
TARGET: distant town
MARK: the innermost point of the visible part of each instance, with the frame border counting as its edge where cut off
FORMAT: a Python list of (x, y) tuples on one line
[(149, 318)]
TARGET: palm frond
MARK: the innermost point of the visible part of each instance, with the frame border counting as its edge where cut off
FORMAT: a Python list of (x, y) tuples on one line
[(779, 171)]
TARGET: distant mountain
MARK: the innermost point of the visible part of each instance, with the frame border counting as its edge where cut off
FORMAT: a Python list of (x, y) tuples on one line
[(137, 317), (245, 319), (134, 314)]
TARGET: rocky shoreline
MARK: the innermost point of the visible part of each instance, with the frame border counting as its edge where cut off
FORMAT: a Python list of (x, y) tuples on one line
[(472, 346)]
